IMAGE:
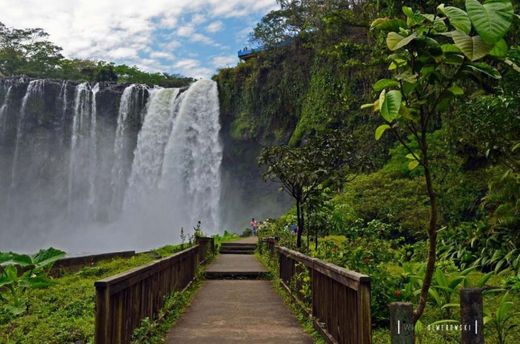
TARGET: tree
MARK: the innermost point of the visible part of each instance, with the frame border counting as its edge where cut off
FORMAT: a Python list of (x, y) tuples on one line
[(436, 58), (302, 170), (27, 51)]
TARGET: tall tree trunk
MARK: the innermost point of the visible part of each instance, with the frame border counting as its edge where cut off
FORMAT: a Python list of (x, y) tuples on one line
[(308, 233), (432, 237), (300, 224)]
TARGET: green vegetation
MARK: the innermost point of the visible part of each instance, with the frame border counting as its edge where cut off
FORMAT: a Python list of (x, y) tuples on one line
[(434, 60), (226, 237), (434, 205), (28, 52), (19, 272), (303, 170), (63, 312)]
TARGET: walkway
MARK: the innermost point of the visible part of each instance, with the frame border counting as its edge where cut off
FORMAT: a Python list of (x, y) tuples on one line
[(238, 307)]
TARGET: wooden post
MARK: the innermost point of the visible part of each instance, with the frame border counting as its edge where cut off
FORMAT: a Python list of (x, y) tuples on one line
[(401, 323), (102, 313), (471, 316), (205, 245), (364, 317), (271, 246)]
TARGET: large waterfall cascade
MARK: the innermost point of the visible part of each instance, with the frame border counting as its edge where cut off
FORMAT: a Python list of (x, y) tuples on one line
[(96, 167)]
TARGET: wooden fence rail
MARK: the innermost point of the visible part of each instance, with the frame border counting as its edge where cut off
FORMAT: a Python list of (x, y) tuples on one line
[(123, 300), (71, 264), (339, 301)]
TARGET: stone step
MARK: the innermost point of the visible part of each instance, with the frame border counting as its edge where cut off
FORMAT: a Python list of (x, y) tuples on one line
[(231, 251), (237, 275), (230, 244), (238, 248), (236, 266)]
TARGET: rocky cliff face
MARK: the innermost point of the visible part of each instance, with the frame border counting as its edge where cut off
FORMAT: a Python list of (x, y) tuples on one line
[(66, 152)]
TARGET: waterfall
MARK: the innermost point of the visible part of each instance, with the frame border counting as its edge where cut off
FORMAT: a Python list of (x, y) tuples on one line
[(3, 108), (152, 139), (191, 168), (63, 97), (83, 155), (123, 150), (35, 89), (92, 163), (99, 167)]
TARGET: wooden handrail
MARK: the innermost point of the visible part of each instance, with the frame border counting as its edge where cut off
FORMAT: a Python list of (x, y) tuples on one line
[(123, 300), (135, 275), (340, 301)]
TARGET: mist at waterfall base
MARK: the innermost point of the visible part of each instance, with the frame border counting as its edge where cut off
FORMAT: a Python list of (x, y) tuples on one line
[(94, 168)]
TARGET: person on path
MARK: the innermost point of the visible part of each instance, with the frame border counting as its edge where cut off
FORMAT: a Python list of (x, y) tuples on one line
[(254, 226)]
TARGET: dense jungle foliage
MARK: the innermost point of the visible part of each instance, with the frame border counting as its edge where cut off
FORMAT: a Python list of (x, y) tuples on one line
[(29, 52), (447, 93)]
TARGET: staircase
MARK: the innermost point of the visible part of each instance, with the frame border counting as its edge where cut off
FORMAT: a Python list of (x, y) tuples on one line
[(237, 248), (237, 261)]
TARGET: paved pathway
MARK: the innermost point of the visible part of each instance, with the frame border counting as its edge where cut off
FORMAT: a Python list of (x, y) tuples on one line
[(237, 311)]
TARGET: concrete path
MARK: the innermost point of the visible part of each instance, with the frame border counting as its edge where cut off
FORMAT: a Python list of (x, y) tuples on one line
[(237, 310), (237, 266), (248, 240)]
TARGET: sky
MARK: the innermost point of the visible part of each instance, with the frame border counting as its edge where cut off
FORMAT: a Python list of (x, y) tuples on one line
[(189, 37)]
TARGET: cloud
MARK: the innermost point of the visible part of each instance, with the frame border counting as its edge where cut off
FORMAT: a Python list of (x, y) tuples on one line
[(224, 61), (186, 31), (162, 55), (122, 53), (124, 31), (215, 26), (193, 68)]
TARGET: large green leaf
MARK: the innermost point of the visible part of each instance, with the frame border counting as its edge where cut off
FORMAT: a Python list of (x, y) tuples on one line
[(500, 49), (390, 106), (473, 47), (395, 41), (387, 24), (384, 83), (45, 258), (458, 18), (484, 68), (17, 259), (380, 130), (456, 90), (491, 19), (5, 256)]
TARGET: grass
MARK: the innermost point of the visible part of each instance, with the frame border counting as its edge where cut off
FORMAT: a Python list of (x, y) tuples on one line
[(64, 312), (226, 237)]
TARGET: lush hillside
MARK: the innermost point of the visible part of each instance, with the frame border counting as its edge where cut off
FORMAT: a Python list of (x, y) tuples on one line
[(293, 94)]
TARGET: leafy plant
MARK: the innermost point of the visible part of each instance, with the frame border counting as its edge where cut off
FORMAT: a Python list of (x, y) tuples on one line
[(19, 272), (433, 56), (445, 286), (502, 319)]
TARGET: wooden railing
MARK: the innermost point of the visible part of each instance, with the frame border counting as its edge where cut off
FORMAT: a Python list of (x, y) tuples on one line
[(71, 264), (123, 300), (339, 300)]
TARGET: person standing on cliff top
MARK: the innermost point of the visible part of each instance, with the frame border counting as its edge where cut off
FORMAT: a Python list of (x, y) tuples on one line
[(254, 226)]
